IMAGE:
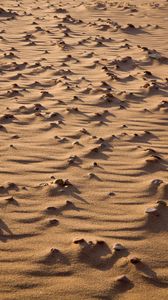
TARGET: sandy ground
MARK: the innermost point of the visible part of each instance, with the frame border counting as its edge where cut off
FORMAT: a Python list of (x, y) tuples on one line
[(84, 157)]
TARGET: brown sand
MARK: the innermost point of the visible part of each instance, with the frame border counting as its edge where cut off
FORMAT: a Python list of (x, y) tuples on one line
[(84, 157)]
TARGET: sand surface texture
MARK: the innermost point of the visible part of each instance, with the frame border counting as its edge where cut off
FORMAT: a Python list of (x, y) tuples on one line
[(84, 156)]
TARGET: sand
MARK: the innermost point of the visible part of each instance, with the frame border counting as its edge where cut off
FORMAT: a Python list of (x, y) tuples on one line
[(84, 156)]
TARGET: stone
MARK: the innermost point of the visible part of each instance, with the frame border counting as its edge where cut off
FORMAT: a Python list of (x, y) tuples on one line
[(151, 210), (135, 260), (118, 247), (122, 278)]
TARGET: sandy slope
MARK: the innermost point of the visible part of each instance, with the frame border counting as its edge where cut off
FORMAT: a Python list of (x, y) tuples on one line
[(84, 157)]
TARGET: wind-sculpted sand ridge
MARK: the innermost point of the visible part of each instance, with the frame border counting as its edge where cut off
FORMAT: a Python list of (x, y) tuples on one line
[(84, 158)]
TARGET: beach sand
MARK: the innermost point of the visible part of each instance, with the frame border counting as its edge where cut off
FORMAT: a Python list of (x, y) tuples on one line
[(84, 150)]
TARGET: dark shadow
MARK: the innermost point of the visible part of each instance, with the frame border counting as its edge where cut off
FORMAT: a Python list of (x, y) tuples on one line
[(54, 257), (4, 227)]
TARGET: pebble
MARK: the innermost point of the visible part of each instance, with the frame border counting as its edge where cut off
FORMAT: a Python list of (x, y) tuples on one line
[(118, 247), (122, 278), (135, 260), (151, 210)]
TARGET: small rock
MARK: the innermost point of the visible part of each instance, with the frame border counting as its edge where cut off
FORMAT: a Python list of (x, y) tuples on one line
[(151, 210), (118, 247), (59, 182), (135, 260), (53, 222), (79, 241), (54, 251), (51, 209), (157, 181), (111, 194), (91, 175), (161, 203), (122, 278)]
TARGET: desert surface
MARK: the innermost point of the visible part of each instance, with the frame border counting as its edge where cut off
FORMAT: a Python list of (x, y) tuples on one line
[(84, 150)]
